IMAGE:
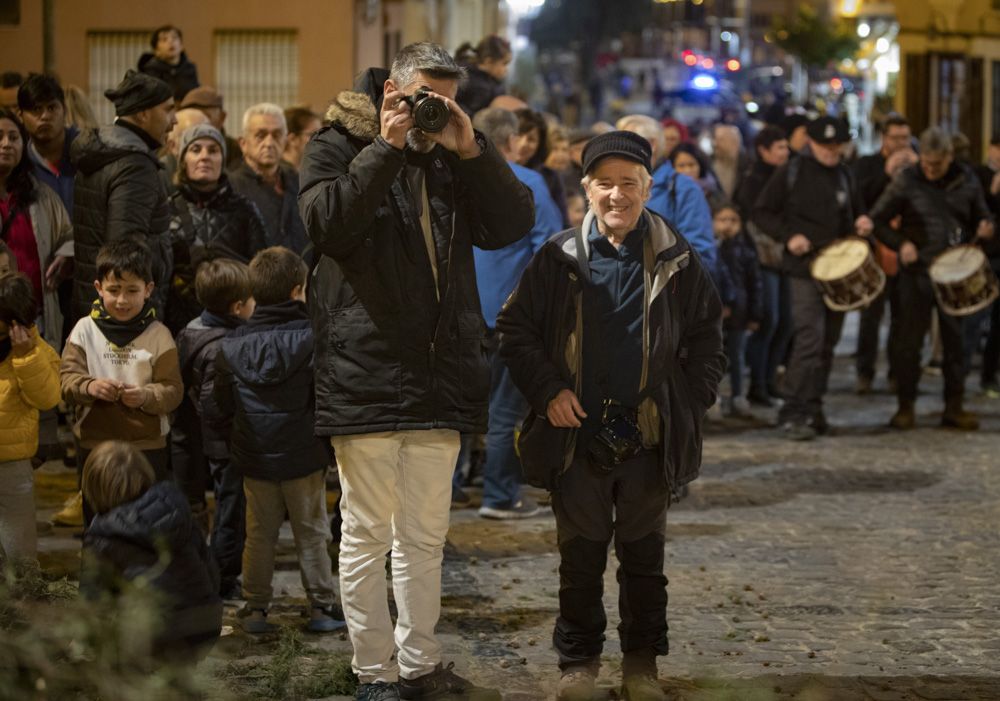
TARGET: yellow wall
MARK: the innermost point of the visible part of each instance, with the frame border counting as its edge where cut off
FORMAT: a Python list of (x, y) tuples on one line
[(325, 35)]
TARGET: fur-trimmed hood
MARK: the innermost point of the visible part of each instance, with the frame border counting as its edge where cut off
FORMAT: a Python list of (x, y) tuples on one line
[(355, 112)]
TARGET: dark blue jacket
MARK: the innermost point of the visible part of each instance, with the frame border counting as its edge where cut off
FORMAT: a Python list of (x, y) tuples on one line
[(155, 538), (60, 178), (198, 344), (740, 285), (264, 379)]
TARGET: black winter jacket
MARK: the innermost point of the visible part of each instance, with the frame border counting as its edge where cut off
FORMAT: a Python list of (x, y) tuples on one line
[(478, 90), (541, 329), (197, 345), (391, 355), (280, 213), (203, 226), (155, 538), (117, 192), (264, 380), (936, 215), (819, 202), (869, 171), (181, 78), (740, 285)]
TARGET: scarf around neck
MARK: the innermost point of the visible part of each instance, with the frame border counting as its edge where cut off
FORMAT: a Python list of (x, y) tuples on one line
[(122, 333)]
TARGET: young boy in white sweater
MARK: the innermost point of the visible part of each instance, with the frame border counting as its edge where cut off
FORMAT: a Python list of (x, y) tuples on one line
[(119, 366)]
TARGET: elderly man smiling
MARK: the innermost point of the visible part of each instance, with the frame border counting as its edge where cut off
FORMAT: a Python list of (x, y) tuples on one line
[(614, 336)]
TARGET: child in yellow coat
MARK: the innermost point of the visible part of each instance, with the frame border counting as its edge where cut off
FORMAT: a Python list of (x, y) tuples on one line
[(29, 382)]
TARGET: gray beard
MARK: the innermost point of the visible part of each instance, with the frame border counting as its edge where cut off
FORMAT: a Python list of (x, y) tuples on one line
[(418, 141)]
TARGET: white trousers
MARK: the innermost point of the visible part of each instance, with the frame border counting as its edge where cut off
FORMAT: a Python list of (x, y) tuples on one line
[(396, 496)]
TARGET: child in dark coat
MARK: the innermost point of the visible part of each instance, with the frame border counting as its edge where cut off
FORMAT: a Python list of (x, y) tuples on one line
[(143, 530), (740, 290), (264, 379), (223, 290)]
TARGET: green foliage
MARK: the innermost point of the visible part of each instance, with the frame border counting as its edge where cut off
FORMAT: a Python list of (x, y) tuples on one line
[(295, 671), (814, 40), (560, 23), (54, 645)]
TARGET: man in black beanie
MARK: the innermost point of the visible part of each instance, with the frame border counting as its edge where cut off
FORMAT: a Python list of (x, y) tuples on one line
[(118, 191), (614, 335)]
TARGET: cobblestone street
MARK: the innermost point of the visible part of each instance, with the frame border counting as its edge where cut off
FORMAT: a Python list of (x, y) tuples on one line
[(862, 565)]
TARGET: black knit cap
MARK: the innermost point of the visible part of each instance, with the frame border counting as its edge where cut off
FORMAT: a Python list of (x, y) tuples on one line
[(828, 130), (623, 144), (138, 92)]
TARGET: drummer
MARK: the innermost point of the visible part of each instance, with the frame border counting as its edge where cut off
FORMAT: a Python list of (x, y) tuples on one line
[(807, 204), (942, 205)]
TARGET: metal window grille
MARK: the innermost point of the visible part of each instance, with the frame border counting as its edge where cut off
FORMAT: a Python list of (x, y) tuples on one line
[(110, 55), (253, 67)]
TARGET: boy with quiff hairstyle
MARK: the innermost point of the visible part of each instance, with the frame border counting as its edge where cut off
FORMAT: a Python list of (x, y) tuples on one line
[(119, 366)]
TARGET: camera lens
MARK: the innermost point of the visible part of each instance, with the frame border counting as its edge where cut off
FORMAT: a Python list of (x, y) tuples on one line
[(431, 114)]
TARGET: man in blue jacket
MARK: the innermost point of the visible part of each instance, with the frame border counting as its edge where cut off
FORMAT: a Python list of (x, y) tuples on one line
[(675, 197), (497, 273)]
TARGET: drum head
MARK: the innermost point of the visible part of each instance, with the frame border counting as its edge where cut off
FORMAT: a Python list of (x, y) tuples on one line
[(956, 264), (839, 259)]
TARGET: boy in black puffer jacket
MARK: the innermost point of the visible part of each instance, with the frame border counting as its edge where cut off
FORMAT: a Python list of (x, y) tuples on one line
[(740, 288), (223, 290), (264, 380), (143, 530)]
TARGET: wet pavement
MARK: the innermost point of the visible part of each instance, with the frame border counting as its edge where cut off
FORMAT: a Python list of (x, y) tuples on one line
[(862, 565)]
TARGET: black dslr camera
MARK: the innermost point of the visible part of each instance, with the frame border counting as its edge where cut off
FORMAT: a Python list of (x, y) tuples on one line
[(430, 114), (618, 440)]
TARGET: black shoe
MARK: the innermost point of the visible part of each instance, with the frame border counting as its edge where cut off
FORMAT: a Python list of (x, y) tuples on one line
[(774, 392), (758, 397), (443, 683), (377, 691)]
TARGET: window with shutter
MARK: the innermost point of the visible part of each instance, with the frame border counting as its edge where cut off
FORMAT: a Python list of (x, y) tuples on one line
[(110, 54), (253, 67)]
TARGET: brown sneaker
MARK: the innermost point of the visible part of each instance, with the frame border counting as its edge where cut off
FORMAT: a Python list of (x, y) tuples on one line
[(904, 418), (576, 684), (642, 687), (955, 416)]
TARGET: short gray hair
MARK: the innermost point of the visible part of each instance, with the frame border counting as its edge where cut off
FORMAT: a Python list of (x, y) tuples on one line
[(264, 108), (423, 57), (935, 140), (497, 124), (646, 127)]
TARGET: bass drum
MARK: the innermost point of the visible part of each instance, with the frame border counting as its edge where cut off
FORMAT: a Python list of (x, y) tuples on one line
[(847, 274), (963, 281)]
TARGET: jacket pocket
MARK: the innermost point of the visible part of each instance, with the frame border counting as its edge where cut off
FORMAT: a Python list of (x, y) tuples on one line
[(473, 358), (543, 449), (364, 358)]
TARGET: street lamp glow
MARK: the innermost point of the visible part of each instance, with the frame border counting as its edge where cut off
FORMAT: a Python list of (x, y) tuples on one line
[(726, 36), (882, 45), (864, 29)]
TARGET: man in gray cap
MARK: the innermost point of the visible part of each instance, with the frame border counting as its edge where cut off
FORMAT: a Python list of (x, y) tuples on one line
[(614, 335), (118, 191)]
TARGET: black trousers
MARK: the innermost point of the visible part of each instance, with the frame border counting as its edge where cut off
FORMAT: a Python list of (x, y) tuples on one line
[(630, 506), (229, 522), (917, 301), (868, 330), (187, 457), (816, 332)]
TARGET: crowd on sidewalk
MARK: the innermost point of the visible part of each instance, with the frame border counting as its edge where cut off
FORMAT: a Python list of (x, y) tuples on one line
[(421, 304)]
